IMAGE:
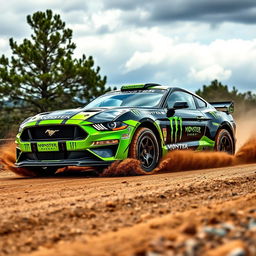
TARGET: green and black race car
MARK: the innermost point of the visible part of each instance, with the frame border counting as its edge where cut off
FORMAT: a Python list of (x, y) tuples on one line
[(142, 121)]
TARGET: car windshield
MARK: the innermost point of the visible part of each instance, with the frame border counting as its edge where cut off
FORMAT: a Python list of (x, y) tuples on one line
[(128, 99)]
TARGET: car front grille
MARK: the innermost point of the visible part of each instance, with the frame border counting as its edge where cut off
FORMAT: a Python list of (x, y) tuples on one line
[(53, 133)]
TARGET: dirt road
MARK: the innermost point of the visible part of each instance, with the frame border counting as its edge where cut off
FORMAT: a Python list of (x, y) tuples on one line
[(75, 215)]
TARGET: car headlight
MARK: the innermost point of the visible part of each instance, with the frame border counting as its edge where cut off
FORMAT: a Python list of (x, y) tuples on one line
[(110, 126)]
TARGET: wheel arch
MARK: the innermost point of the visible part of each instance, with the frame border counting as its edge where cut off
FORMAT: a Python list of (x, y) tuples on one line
[(150, 124), (227, 127)]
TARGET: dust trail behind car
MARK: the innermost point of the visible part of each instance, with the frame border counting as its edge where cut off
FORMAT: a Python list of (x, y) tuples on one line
[(183, 160), (173, 161)]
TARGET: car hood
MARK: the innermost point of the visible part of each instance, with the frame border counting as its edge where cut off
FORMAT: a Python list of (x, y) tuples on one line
[(91, 115)]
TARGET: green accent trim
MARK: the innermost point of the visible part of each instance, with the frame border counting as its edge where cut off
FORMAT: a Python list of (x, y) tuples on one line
[(29, 124), (205, 142), (214, 114), (131, 122), (44, 122), (216, 124), (83, 115), (176, 128), (132, 86), (76, 121)]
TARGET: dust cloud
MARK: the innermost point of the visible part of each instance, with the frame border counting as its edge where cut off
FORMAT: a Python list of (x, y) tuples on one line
[(8, 158)]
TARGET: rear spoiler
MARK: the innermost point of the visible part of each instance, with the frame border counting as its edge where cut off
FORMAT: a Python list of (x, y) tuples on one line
[(224, 106)]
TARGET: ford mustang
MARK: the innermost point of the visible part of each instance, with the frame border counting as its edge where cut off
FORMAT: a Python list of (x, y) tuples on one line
[(142, 121)]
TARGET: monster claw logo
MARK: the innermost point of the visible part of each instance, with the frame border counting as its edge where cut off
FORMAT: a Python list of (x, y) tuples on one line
[(175, 122)]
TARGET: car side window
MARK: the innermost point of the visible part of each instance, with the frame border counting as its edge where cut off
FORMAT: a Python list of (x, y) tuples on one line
[(200, 103), (181, 96)]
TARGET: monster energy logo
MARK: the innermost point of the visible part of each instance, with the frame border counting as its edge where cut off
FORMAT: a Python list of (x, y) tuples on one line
[(177, 122), (26, 147), (72, 145)]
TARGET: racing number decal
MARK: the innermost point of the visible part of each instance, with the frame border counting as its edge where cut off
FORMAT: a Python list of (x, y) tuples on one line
[(176, 127)]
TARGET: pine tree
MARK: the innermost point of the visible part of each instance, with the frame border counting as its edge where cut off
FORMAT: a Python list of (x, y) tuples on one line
[(42, 72)]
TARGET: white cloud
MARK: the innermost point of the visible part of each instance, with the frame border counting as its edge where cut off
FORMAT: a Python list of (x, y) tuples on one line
[(210, 73), (196, 62)]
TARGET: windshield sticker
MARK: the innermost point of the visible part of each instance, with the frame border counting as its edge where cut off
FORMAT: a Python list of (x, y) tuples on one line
[(137, 91)]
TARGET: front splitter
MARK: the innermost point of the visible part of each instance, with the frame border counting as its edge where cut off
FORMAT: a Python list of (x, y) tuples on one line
[(59, 163)]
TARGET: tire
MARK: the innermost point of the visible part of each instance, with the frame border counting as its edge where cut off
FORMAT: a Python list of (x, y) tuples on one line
[(224, 142), (145, 147), (43, 172)]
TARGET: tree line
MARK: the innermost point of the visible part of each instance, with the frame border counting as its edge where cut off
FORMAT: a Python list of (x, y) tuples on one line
[(216, 91), (43, 75)]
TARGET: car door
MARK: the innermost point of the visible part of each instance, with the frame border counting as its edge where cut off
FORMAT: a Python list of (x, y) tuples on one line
[(187, 126)]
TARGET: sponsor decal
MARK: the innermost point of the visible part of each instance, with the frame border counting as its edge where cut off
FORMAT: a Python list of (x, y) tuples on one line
[(177, 146), (51, 132), (52, 117), (193, 130), (136, 91), (164, 132), (49, 146), (176, 128)]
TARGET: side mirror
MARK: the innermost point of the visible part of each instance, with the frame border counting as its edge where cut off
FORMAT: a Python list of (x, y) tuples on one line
[(180, 105), (177, 105)]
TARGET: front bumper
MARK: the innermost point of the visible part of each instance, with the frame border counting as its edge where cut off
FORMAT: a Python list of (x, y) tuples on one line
[(29, 153)]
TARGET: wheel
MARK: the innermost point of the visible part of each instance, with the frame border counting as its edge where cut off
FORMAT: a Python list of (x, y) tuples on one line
[(43, 171), (145, 147), (224, 142)]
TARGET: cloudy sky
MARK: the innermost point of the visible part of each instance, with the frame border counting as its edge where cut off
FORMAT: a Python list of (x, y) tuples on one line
[(186, 43)]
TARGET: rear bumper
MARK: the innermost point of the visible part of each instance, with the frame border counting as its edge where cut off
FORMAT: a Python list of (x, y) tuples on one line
[(63, 163)]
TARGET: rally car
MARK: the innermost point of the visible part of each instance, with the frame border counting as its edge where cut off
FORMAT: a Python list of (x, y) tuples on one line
[(142, 121)]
